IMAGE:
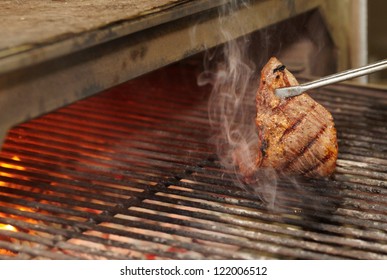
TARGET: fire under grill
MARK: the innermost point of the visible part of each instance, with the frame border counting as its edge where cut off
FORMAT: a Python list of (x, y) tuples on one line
[(130, 174)]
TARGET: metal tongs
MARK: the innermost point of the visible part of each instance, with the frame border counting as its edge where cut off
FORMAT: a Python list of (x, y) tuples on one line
[(286, 92)]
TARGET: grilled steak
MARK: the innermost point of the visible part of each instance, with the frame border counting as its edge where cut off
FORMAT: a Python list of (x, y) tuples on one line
[(295, 135)]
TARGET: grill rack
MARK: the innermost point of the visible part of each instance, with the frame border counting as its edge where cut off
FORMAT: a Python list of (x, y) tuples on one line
[(130, 174)]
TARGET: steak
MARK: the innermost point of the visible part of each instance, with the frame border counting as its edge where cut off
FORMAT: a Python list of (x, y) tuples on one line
[(295, 135)]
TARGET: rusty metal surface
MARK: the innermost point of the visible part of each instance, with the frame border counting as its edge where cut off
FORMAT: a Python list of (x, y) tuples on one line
[(42, 36), (35, 31), (37, 22)]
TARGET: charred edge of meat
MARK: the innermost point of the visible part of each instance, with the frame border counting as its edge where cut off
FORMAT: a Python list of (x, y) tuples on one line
[(307, 147), (264, 147), (279, 68)]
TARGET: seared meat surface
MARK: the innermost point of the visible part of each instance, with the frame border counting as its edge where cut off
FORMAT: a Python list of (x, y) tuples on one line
[(295, 135)]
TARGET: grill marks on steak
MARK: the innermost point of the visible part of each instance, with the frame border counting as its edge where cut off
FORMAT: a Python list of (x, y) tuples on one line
[(296, 135), (295, 124), (302, 152)]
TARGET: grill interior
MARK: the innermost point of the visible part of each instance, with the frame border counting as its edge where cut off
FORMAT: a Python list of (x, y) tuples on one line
[(131, 174)]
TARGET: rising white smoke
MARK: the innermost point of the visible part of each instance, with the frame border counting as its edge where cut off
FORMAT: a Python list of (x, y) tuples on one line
[(234, 79)]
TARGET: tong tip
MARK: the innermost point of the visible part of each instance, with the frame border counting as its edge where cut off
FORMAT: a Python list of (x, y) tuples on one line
[(287, 92)]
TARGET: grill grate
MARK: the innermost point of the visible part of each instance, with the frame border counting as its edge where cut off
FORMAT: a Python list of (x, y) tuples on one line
[(129, 173)]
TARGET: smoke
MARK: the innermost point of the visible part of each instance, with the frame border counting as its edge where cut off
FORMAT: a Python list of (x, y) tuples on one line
[(232, 73), (231, 116)]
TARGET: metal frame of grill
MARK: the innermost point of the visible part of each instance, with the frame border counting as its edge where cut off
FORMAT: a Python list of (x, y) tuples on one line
[(124, 175)]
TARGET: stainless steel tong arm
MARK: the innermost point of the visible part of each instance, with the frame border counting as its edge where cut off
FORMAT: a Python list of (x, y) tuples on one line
[(286, 92)]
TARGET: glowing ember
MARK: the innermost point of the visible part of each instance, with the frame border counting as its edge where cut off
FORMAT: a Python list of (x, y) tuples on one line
[(7, 227), (16, 158), (12, 166)]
